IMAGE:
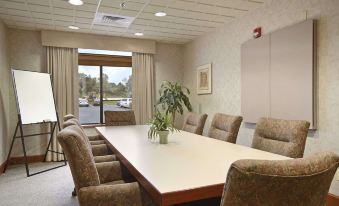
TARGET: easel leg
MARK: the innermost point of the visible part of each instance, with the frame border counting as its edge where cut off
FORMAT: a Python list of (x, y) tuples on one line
[(22, 136), (24, 147), (63, 153), (50, 141), (10, 150)]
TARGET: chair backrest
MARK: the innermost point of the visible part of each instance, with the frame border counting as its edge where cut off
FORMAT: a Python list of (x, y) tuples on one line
[(194, 123), (284, 137), (294, 182), (75, 122), (79, 156), (119, 118), (68, 117), (225, 127), (71, 122)]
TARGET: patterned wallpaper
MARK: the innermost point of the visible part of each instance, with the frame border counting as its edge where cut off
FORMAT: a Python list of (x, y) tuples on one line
[(222, 49), (168, 62), (4, 92), (26, 52)]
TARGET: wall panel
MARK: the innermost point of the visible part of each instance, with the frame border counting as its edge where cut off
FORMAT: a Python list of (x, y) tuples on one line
[(292, 72), (277, 75), (255, 93)]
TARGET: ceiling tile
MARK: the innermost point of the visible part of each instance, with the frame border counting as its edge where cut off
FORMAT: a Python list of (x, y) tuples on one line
[(63, 18), (85, 14), (38, 8), (108, 10), (44, 21), (15, 5), (15, 12), (185, 20), (61, 4), (45, 26), (39, 2), (84, 20), (41, 15)]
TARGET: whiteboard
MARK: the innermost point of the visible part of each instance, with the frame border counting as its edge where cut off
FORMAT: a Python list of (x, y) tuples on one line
[(34, 96)]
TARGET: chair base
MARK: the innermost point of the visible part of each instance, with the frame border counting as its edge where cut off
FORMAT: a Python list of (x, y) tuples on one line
[(74, 193)]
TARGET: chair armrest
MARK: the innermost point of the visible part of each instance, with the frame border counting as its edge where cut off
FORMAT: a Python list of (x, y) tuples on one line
[(120, 194), (109, 171)]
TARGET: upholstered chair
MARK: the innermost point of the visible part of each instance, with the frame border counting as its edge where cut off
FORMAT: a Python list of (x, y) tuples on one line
[(284, 137), (94, 140), (194, 123), (294, 182), (90, 137), (95, 184), (225, 127), (100, 151), (68, 117), (119, 118)]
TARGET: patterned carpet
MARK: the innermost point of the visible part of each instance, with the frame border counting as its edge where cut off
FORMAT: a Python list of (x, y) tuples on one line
[(52, 188)]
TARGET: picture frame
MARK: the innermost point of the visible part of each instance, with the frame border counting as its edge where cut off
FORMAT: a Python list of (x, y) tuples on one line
[(204, 79)]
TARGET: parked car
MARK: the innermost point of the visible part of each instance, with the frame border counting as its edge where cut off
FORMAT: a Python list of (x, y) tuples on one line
[(83, 103), (127, 103), (96, 102)]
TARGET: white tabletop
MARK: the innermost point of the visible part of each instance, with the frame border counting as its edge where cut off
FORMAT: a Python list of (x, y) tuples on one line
[(188, 161)]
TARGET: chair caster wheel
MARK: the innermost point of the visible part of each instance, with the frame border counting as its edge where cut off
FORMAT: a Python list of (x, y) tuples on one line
[(74, 193)]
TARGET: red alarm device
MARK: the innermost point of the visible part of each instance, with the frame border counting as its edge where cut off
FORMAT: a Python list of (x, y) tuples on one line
[(257, 32)]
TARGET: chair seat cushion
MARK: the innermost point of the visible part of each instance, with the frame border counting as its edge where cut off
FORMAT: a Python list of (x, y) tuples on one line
[(96, 142), (100, 150), (93, 137), (114, 182), (105, 158)]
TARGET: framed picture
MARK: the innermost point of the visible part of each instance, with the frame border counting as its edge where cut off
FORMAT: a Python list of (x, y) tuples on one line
[(204, 79)]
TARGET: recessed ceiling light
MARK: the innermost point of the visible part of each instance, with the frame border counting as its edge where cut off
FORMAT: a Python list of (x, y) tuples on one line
[(73, 27), (138, 34), (160, 14), (76, 2), (123, 5)]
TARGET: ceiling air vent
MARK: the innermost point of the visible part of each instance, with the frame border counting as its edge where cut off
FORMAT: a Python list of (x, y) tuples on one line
[(113, 20)]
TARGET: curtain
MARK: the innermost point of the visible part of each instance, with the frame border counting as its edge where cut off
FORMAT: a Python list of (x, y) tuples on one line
[(62, 64), (143, 87)]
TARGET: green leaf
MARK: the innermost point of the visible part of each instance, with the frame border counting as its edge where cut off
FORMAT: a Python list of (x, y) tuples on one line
[(173, 97)]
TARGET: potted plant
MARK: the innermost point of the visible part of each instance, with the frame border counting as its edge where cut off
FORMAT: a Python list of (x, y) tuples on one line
[(173, 98), (161, 125)]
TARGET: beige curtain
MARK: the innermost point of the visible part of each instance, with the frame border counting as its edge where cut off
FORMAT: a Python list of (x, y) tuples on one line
[(62, 64), (143, 87)]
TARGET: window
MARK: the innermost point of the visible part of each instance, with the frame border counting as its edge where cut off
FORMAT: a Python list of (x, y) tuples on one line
[(105, 83)]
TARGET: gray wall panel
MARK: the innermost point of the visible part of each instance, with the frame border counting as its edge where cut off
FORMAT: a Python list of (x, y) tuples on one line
[(292, 72), (255, 79), (277, 75)]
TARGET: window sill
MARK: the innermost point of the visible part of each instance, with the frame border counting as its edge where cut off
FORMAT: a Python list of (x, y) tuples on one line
[(92, 125)]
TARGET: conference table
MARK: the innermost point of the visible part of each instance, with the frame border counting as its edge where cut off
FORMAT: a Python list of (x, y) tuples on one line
[(190, 167)]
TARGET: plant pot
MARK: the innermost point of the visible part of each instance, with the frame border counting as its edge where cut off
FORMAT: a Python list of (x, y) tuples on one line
[(163, 137)]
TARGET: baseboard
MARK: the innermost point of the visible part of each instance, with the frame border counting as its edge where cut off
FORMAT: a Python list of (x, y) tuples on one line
[(21, 160), (30, 159), (332, 200), (2, 167)]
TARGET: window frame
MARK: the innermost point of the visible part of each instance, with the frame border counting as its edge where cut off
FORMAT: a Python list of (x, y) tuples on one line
[(101, 60)]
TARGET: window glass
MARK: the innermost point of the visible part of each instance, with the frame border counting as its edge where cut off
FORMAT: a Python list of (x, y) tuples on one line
[(103, 88), (117, 85), (89, 93)]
